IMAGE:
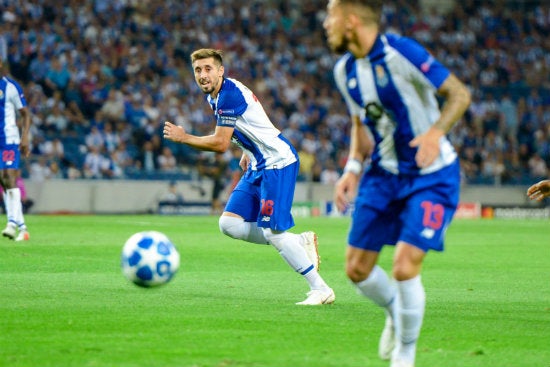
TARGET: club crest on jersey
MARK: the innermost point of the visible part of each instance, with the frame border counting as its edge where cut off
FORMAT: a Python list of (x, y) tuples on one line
[(1, 94), (381, 76)]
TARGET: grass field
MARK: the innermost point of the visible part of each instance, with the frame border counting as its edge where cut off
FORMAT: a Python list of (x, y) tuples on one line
[(64, 301)]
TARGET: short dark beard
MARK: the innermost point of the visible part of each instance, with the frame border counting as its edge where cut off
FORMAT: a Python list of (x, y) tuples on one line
[(342, 48)]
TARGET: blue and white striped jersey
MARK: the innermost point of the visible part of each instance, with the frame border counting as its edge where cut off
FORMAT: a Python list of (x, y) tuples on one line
[(11, 100), (236, 106), (397, 83)]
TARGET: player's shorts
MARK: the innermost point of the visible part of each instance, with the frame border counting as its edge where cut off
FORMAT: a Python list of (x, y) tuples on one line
[(10, 156), (266, 197), (416, 210)]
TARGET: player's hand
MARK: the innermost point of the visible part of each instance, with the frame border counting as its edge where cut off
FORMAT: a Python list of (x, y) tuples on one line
[(539, 190), (173, 132), (25, 150), (428, 147), (244, 162), (345, 190)]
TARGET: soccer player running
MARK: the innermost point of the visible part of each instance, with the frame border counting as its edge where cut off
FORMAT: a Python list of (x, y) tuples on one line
[(408, 194), (258, 209), (539, 191), (13, 144)]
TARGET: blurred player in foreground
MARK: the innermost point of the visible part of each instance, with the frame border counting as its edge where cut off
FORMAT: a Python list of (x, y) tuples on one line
[(12, 146), (258, 209), (410, 191), (539, 191)]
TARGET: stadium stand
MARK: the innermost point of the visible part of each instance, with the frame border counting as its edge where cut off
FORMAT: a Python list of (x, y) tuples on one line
[(107, 73)]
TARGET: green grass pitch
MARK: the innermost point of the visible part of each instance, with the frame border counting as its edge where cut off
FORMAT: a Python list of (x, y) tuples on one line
[(64, 301)]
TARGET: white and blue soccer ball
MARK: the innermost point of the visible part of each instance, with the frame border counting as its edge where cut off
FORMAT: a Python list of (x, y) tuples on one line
[(149, 259)]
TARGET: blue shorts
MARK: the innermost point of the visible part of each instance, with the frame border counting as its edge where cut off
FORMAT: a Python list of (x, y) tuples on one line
[(416, 210), (266, 197), (10, 156)]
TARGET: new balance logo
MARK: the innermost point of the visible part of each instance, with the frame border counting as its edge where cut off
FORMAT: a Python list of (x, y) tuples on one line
[(266, 219), (427, 233)]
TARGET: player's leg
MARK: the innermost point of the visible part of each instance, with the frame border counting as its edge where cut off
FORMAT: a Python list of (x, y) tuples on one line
[(19, 213), (13, 206), (292, 251), (371, 281), (374, 223), (239, 219), (234, 226), (411, 301), (277, 194), (426, 216)]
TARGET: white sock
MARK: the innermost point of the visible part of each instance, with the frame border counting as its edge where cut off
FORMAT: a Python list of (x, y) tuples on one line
[(380, 289), (237, 228), (14, 208), (290, 248), (410, 313)]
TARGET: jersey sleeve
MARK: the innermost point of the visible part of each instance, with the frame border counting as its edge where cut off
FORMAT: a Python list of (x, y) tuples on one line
[(423, 61), (231, 105), (16, 95)]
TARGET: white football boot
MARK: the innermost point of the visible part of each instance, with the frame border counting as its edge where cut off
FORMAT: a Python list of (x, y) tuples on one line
[(311, 247), (9, 231), (317, 297), (387, 340), (23, 236)]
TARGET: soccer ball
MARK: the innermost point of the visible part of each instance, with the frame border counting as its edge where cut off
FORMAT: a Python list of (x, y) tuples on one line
[(149, 259)]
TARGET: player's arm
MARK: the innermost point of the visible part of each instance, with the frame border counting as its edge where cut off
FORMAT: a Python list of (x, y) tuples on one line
[(457, 99), (360, 142), (360, 148), (217, 142), (25, 125)]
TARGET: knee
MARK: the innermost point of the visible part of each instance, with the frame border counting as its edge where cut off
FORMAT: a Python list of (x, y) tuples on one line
[(407, 262), (356, 272), (404, 270), (231, 226)]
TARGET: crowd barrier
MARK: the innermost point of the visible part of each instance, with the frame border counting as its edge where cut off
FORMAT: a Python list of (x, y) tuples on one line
[(59, 196)]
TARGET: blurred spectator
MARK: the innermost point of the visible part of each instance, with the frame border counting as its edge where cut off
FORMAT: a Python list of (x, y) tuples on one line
[(95, 138), (56, 122), (53, 149), (73, 172), (172, 195), (538, 168), (330, 175), (148, 158), (113, 108), (57, 77), (215, 167), (509, 114), (166, 160), (40, 170), (95, 164)]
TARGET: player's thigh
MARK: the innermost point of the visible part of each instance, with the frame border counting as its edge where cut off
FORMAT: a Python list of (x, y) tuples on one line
[(276, 197), (9, 164), (427, 215), (245, 201), (372, 228)]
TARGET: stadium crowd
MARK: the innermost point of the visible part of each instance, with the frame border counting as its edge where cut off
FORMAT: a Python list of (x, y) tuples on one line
[(101, 77)]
